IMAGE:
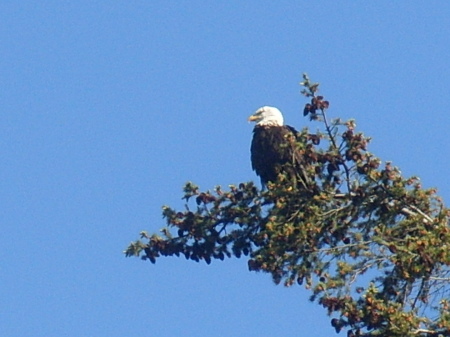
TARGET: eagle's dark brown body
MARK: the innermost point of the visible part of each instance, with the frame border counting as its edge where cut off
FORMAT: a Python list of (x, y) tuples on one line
[(273, 151)]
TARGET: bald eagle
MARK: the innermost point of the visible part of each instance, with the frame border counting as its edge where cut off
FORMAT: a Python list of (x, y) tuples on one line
[(273, 149)]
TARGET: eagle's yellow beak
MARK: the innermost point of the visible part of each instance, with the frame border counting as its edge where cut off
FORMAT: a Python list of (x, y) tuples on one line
[(253, 118)]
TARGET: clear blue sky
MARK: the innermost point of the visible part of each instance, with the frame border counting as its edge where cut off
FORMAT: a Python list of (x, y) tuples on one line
[(109, 107)]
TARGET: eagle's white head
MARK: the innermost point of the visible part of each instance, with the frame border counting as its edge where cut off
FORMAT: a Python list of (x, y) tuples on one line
[(267, 115)]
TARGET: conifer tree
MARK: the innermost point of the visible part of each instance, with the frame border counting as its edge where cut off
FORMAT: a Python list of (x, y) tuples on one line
[(370, 245)]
